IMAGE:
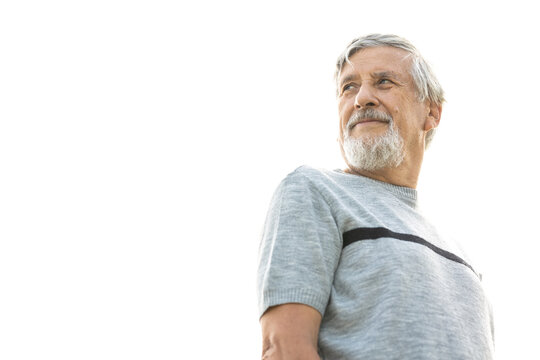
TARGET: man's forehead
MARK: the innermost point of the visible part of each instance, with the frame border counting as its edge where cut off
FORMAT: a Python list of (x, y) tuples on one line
[(377, 60)]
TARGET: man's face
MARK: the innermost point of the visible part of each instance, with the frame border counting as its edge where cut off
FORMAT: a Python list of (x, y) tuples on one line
[(378, 78)]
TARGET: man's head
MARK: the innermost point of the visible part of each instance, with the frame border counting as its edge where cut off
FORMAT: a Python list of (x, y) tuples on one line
[(389, 101)]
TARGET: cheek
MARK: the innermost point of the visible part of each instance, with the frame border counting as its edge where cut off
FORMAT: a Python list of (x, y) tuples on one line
[(396, 116), (401, 121), (344, 113)]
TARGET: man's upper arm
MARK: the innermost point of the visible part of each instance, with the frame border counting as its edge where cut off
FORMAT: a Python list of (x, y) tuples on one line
[(299, 253), (290, 331), (300, 247)]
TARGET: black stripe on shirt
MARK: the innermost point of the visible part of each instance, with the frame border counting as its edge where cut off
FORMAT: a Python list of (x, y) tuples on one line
[(360, 234)]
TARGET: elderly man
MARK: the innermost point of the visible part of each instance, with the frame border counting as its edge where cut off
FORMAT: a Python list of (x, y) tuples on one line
[(348, 266)]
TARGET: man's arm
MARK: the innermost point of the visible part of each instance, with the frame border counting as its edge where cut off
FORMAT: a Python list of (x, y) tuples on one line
[(290, 332)]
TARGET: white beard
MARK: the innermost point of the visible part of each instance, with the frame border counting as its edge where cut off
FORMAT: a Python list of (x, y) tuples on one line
[(374, 153)]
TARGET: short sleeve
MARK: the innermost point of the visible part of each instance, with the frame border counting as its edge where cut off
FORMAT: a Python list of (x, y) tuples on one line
[(300, 247)]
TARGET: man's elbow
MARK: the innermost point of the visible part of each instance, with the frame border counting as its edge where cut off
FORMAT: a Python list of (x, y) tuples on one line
[(288, 349), (290, 332)]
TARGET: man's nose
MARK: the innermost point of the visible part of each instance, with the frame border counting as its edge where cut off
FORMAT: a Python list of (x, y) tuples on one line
[(365, 98)]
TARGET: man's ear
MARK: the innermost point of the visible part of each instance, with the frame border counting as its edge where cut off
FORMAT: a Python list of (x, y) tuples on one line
[(434, 116)]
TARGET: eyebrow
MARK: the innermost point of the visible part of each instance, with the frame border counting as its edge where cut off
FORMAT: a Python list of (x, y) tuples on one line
[(346, 79), (377, 75), (386, 74)]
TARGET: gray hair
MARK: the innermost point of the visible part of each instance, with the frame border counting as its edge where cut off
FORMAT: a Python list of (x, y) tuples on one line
[(427, 85)]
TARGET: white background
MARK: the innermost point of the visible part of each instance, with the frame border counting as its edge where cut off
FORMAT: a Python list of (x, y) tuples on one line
[(140, 143)]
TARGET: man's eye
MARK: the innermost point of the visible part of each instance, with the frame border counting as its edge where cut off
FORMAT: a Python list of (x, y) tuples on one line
[(347, 87), (385, 82)]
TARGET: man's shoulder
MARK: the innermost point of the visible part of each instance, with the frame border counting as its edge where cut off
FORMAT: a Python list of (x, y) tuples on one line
[(314, 182), (309, 177), (312, 174)]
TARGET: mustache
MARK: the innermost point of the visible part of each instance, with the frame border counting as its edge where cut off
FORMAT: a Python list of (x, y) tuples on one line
[(365, 114)]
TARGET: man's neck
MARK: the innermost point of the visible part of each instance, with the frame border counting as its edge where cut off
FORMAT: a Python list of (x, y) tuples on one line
[(405, 175)]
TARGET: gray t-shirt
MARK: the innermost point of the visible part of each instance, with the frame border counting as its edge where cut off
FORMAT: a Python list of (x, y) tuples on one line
[(387, 285)]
